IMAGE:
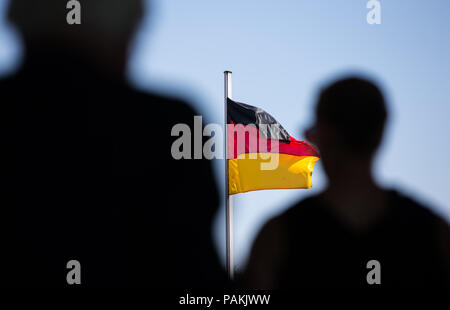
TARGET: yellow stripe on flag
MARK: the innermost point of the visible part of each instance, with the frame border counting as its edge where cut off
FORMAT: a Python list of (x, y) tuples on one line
[(245, 173)]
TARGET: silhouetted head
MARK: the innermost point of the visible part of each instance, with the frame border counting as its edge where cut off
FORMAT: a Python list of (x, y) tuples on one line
[(350, 118), (106, 28)]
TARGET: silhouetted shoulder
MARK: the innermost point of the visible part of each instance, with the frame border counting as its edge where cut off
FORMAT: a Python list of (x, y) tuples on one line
[(303, 217), (305, 206), (4, 82), (271, 248), (402, 207), (422, 221), (410, 209), (277, 228), (407, 225), (9, 85), (177, 108)]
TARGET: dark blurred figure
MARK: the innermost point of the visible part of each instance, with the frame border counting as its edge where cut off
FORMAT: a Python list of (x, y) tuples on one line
[(327, 240), (87, 171)]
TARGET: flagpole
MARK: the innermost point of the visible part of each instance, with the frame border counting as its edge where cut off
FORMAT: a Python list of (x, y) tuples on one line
[(228, 198)]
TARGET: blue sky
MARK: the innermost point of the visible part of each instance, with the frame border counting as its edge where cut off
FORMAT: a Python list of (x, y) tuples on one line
[(280, 53)]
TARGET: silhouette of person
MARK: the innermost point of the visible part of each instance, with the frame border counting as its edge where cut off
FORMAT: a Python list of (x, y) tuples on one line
[(328, 240), (87, 172)]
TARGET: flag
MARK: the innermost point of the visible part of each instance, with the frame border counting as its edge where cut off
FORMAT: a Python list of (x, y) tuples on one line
[(262, 154)]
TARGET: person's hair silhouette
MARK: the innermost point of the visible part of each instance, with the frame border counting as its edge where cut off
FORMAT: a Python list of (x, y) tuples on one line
[(102, 37), (356, 111), (328, 239), (87, 172)]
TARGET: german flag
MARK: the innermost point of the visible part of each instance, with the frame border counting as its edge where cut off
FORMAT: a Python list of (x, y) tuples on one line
[(261, 153)]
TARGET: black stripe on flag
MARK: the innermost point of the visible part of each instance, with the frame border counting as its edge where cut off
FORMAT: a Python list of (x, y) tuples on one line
[(241, 113)]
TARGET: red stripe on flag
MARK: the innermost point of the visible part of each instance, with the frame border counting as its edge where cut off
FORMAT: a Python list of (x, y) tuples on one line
[(243, 139)]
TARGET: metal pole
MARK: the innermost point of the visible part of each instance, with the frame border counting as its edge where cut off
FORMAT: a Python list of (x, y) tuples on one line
[(228, 198)]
